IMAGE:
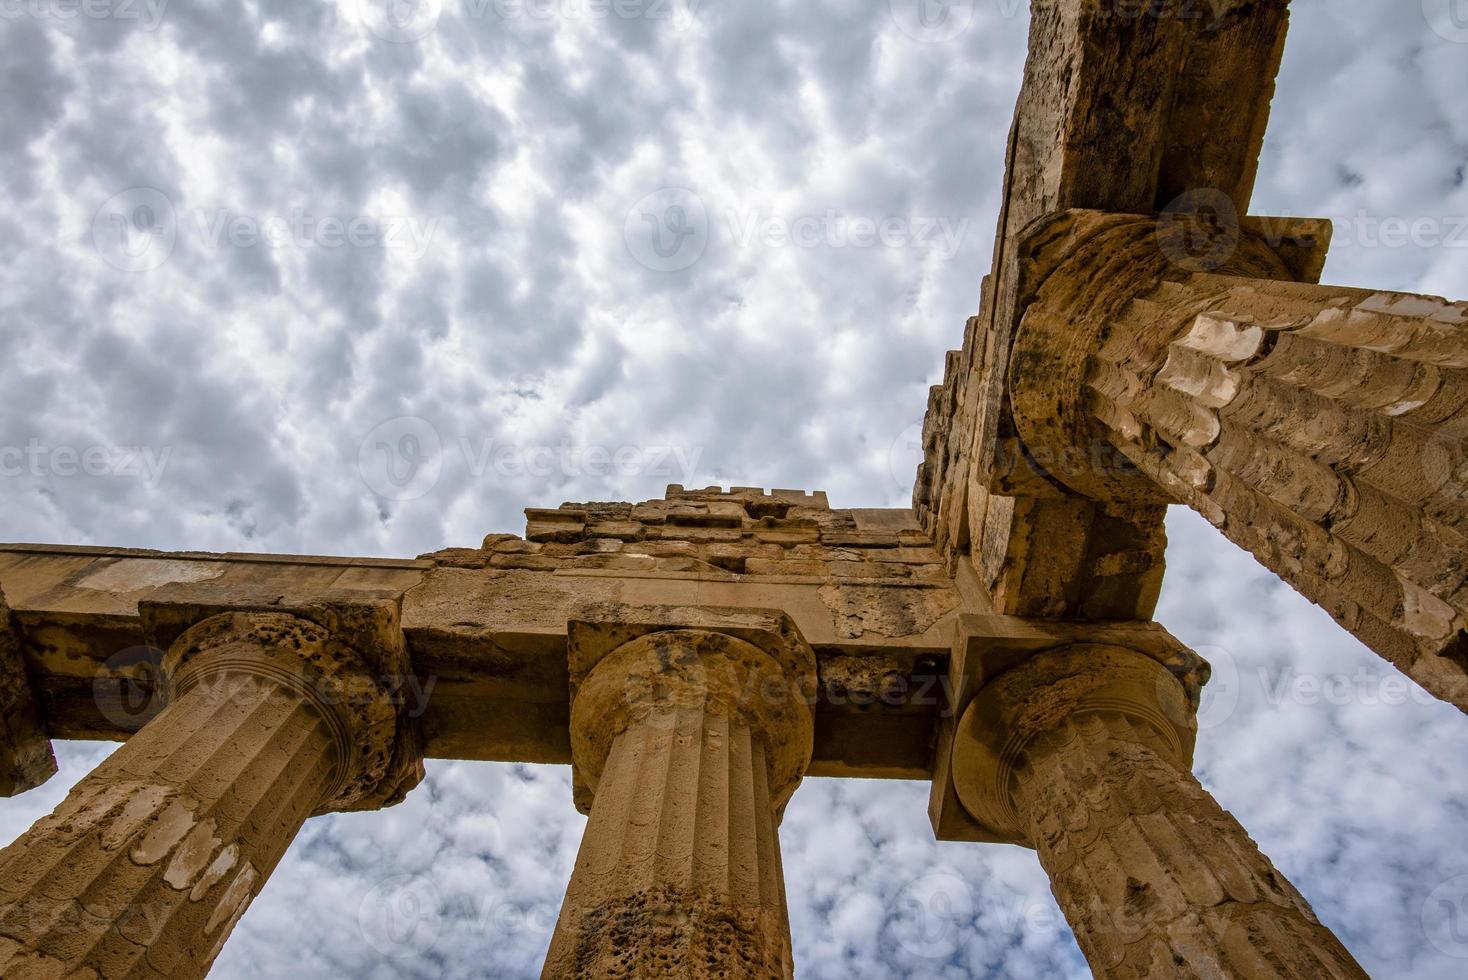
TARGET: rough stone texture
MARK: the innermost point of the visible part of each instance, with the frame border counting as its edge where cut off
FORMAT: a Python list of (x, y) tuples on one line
[(692, 742), (1324, 429), (487, 644), (1155, 878), (26, 760), (1181, 93), (145, 867), (985, 647)]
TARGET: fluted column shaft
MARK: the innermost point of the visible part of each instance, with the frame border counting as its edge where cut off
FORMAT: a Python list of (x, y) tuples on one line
[(1082, 754), (1323, 429), (146, 866), (679, 869)]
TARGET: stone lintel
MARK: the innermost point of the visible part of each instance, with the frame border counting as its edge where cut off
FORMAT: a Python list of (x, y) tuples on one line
[(488, 644), (26, 759), (985, 646)]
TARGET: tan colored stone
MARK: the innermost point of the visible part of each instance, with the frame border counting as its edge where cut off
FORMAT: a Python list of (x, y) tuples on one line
[(1324, 429), (692, 741), (1083, 753), (160, 850), (26, 759)]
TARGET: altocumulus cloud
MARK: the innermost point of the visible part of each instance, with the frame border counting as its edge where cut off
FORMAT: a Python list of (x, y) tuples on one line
[(368, 278)]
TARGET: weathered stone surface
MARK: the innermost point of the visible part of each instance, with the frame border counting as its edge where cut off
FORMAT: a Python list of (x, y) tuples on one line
[(1182, 95), (147, 865), (26, 760), (1323, 429), (692, 741), (486, 629), (1083, 753)]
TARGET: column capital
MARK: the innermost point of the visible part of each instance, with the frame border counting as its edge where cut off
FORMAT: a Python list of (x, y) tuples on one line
[(1028, 703), (348, 660), (1081, 270), (752, 666)]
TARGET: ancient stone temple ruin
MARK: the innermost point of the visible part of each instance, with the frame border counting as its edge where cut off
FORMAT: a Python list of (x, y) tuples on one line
[(1141, 341)]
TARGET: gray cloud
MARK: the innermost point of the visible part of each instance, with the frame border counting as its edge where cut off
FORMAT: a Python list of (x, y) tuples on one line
[(518, 309)]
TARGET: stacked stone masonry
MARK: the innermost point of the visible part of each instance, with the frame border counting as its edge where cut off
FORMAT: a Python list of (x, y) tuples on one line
[(725, 534)]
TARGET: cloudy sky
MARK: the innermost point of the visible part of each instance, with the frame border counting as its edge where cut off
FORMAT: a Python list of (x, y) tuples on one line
[(246, 243)]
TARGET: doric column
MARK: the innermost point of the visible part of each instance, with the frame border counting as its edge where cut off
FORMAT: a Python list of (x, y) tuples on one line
[(1084, 753), (692, 742), (147, 865), (1321, 428)]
